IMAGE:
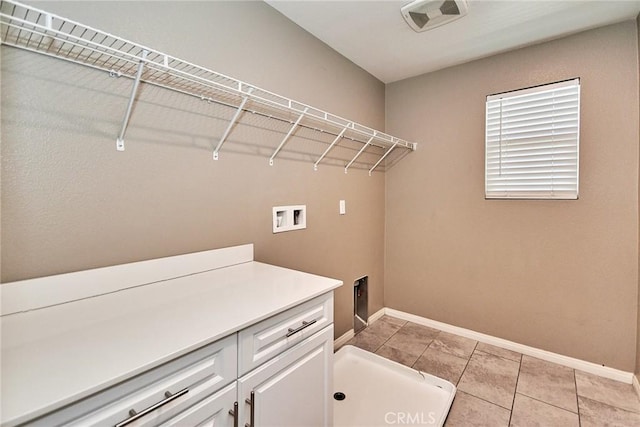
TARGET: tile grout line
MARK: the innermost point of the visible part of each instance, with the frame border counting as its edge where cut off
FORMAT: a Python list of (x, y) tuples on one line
[(515, 391), (497, 355), (465, 368), (575, 382), (594, 399), (485, 400), (425, 350), (390, 336), (385, 341), (547, 403)]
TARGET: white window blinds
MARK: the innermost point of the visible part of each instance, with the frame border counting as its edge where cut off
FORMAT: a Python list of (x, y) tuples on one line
[(532, 142)]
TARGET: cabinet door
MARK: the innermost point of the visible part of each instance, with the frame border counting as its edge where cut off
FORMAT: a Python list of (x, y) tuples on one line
[(292, 390), (210, 412)]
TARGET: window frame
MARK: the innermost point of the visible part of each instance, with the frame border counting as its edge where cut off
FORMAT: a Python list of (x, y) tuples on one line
[(491, 193)]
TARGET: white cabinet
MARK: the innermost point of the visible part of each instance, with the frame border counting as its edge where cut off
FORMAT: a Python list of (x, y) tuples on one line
[(166, 340), (293, 389), (278, 372)]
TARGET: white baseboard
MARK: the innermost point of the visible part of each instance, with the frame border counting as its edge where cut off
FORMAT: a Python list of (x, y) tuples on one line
[(342, 340), (377, 315), (582, 365), (636, 385)]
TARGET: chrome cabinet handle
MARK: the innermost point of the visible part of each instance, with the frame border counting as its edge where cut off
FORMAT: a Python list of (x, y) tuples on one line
[(252, 410), (305, 324), (234, 412), (137, 415)]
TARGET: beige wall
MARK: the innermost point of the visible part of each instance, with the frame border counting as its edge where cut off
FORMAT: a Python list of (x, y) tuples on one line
[(71, 202), (638, 337), (557, 275)]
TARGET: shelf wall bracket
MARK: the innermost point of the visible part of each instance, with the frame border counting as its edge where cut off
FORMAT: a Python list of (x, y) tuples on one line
[(364, 147), (335, 141), (295, 125), (232, 123), (134, 91), (384, 155)]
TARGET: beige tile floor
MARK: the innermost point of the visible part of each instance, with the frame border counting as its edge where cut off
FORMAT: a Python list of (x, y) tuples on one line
[(498, 387)]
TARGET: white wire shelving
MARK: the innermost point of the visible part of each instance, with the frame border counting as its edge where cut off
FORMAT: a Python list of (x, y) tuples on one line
[(35, 30)]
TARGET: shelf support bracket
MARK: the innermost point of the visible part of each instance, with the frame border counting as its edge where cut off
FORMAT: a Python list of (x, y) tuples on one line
[(383, 156), (134, 91), (364, 147), (295, 125), (335, 141), (233, 121)]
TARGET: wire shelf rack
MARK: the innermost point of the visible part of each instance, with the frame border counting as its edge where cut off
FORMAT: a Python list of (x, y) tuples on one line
[(25, 27)]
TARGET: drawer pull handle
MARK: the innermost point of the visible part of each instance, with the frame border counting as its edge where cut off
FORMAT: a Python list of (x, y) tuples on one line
[(252, 409), (305, 324), (234, 413), (137, 415)]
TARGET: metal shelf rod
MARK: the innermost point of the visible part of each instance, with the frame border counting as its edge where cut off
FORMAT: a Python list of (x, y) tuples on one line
[(364, 147), (286, 137), (127, 114), (231, 124), (382, 158), (335, 141)]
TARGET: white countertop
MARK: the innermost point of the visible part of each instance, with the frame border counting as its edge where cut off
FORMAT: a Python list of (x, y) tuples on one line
[(56, 355)]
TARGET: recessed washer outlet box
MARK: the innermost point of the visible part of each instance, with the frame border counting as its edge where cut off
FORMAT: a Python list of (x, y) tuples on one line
[(289, 218)]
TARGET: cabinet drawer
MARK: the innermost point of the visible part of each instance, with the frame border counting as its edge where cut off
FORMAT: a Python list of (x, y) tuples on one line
[(264, 340), (187, 379), (210, 412)]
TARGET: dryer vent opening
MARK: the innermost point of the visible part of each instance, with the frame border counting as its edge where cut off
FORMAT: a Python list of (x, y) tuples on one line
[(360, 303)]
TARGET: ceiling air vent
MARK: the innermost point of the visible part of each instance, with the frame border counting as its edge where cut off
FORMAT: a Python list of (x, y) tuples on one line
[(423, 15)]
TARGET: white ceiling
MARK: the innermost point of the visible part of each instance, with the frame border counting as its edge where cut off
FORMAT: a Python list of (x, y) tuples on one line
[(374, 35)]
